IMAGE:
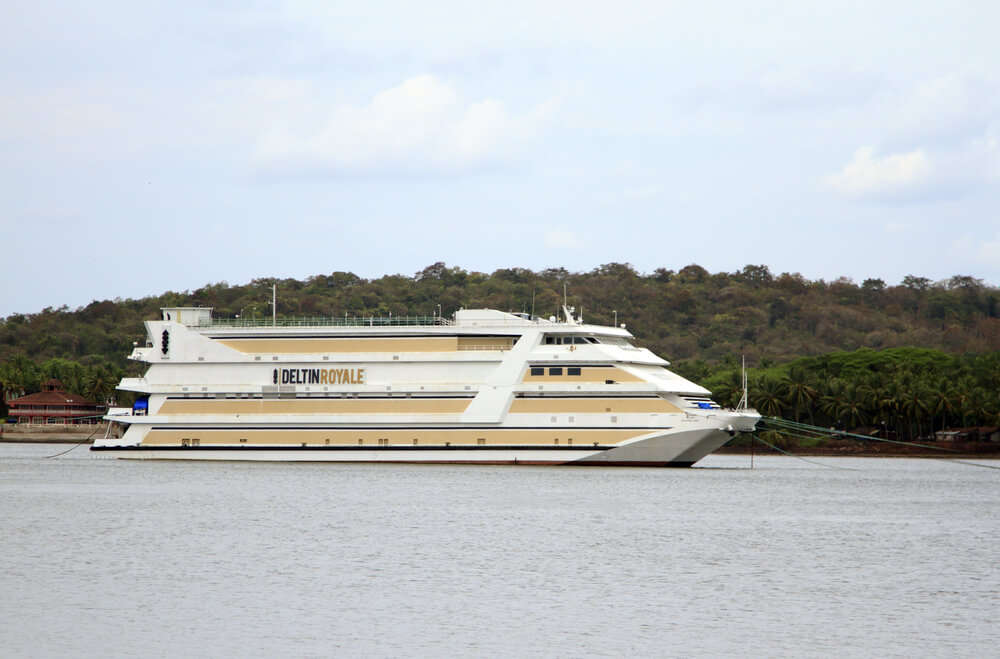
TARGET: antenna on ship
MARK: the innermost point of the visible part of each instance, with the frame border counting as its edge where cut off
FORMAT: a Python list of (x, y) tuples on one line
[(532, 304), (744, 402), (274, 305)]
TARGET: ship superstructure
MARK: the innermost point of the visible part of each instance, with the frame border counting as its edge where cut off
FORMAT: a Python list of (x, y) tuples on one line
[(482, 387)]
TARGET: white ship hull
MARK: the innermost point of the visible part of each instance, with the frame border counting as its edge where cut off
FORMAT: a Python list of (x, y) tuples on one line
[(486, 388), (670, 449)]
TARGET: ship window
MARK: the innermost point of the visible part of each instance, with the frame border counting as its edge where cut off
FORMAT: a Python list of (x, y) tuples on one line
[(538, 370), (592, 339), (579, 339), (550, 340), (572, 370), (555, 370)]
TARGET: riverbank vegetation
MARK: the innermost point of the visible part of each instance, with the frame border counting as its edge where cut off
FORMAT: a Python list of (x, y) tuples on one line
[(914, 357)]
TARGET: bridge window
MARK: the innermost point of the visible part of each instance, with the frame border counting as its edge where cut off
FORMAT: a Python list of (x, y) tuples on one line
[(572, 370), (538, 370), (555, 370)]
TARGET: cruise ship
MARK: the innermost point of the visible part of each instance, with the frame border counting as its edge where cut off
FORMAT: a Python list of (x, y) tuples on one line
[(483, 386)]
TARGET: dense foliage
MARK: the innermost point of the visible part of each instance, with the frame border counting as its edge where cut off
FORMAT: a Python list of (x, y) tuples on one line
[(700, 321), (902, 393)]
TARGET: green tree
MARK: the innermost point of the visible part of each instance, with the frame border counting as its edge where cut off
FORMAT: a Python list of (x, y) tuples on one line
[(799, 392), (767, 396)]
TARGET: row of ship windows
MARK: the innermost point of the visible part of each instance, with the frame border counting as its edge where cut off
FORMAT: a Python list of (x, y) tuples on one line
[(565, 340), (555, 370)]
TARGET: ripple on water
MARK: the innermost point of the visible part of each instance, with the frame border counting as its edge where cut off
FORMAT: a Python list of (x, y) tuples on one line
[(890, 557)]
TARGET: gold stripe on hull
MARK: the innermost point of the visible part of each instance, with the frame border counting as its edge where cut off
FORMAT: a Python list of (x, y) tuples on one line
[(386, 437), (316, 406), (581, 405)]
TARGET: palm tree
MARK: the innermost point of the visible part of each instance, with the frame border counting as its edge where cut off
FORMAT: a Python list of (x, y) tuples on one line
[(914, 406), (767, 396), (832, 399), (853, 405), (941, 402), (888, 404), (100, 384), (799, 392), (976, 409), (728, 394)]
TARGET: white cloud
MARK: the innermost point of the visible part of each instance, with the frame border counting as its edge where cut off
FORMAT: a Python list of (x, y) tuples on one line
[(980, 250), (420, 126), (636, 192), (988, 252), (868, 175), (560, 238)]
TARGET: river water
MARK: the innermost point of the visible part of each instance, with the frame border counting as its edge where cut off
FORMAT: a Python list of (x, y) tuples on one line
[(860, 557)]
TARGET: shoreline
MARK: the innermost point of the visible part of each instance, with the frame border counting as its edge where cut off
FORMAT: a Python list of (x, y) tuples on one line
[(990, 451)]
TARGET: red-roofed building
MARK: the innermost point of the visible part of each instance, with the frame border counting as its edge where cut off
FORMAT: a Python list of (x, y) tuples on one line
[(54, 405)]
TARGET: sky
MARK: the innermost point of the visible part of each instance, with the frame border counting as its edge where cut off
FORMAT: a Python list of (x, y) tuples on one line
[(157, 146)]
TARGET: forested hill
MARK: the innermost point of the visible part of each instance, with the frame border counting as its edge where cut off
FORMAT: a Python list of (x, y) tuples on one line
[(685, 315)]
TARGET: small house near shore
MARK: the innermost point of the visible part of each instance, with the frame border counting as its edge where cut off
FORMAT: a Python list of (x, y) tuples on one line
[(54, 405), (971, 434)]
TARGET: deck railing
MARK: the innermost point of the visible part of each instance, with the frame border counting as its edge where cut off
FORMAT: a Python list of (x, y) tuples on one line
[(345, 321)]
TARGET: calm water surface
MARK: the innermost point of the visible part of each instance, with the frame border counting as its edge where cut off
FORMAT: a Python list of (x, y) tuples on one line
[(878, 557)]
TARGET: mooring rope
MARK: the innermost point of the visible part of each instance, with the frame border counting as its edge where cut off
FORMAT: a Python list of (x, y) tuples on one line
[(804, 427), (798, 457), (794, 428), (80, 443)]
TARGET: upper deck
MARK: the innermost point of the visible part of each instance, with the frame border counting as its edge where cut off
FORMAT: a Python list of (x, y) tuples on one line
[(473, 321)]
